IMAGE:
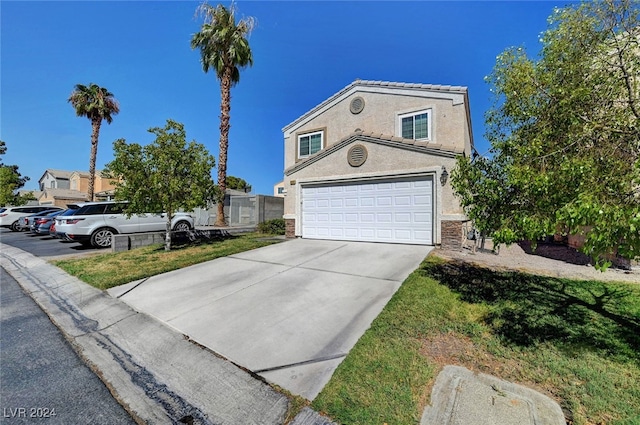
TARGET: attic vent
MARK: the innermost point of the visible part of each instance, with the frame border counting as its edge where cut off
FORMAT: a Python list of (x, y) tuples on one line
[(357, 155), (357, 105)]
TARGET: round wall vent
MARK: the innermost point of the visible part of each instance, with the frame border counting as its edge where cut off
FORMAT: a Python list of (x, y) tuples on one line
[(357, 105), (357, 155)]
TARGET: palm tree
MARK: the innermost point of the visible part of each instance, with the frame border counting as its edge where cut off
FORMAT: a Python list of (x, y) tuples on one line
[(224, 48), (97, 104)]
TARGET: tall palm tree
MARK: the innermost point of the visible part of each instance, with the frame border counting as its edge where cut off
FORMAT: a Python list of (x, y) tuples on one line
[(97, 104), (224, 48)]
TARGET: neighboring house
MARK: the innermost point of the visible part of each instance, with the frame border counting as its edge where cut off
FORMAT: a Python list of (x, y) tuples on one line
[(371, 163), (278, 189), (62, 187), (55, 179), (36, 194), (79, 180), (61, 197)]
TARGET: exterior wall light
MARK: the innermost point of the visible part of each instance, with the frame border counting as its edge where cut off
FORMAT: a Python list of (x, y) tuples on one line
[(444, 175)]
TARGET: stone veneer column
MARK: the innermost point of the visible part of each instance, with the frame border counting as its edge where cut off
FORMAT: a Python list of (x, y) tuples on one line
[(290, 227), (451, 236)]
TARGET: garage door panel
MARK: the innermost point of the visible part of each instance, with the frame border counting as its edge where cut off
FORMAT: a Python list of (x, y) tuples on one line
[(384, 218), (367, 218), (387, 211), (402, 201), (384, 201), (403, 235), (336, 202), (367, 201), (367, 233), (421, 218), (422, 200), (351, 217), (351, 202)]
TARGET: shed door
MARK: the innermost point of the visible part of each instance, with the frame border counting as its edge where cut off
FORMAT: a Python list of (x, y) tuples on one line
[(397, 211)]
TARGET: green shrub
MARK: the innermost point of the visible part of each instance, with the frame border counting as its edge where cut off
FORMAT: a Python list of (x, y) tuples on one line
[(273, 227)]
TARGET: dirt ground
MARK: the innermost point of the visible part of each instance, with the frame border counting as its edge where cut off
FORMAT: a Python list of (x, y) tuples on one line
[(548, 259)]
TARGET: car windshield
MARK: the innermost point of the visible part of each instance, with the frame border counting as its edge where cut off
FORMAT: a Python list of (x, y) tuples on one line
[(2, 210), (69, 211)]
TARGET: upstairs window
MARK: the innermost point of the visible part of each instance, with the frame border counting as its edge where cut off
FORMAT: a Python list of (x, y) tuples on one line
[(416, 125), (310, 143)]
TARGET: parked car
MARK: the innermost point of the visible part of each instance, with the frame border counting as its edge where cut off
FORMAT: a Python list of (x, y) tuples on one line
[(52, 229), (25, 222), (9, 216), (94, 223), (41, 225)]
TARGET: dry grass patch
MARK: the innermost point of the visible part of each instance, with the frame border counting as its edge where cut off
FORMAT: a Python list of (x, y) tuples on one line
[(107, 270)]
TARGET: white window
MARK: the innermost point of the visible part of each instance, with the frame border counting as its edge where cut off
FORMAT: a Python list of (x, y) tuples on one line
[(415, 125), (310, 143)]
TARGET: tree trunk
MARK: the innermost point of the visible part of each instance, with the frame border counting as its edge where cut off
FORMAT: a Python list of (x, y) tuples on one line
[(167, 236), (225, 109), (95, 132)]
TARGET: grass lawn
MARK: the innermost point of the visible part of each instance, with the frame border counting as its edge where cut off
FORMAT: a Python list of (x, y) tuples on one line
[(107, 270), (575, 341)]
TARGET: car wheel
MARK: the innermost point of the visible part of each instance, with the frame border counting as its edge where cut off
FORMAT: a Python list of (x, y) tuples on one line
[(182, 226), (15, 226), (101, 238)]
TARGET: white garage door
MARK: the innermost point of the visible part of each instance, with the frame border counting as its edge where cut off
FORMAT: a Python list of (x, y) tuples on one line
[(399, 211)]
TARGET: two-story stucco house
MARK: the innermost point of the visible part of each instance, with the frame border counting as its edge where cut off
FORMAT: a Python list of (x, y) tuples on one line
[(63, 187), (371, 163)]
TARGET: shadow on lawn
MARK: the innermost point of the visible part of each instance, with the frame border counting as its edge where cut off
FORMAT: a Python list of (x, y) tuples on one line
[(526, 309)]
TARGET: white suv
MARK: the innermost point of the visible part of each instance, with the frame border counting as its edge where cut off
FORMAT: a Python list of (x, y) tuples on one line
[(94, 223), (9, 216)]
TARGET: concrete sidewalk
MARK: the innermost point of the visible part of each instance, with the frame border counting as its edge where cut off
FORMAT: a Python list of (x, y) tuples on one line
[(289, 312)]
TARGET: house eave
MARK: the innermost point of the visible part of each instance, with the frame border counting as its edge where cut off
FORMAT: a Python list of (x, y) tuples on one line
[(380, 139)]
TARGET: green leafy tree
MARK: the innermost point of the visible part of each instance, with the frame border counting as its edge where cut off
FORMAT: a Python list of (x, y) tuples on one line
[(238, 184), (166, 175), (97, 104), (224, 48), (565, 136), (10, 181)]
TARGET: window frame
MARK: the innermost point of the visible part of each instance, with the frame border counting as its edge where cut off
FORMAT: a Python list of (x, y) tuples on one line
[(428, 112), (309, 134)]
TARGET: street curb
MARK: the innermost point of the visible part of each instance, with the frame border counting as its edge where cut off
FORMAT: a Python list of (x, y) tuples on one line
[(152, 370)]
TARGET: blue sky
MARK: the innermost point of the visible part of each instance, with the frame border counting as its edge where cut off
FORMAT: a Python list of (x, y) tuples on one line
[(304, 52)]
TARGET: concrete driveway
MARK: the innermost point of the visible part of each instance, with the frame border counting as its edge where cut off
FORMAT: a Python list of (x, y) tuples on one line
[(289, 312)]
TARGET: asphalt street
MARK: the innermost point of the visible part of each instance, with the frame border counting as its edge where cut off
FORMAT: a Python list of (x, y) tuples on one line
[(43, 246), (42, 380)]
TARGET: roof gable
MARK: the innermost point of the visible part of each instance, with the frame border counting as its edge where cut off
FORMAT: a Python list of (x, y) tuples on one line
[(56, 174), (457, 94)]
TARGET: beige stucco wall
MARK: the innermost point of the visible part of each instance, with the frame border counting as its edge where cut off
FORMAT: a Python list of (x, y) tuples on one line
[(382, 162), (450, 132), (81, 182), (380, 115)]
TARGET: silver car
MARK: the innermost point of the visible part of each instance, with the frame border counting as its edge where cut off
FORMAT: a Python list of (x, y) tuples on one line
[(25, 222), (94, 223)]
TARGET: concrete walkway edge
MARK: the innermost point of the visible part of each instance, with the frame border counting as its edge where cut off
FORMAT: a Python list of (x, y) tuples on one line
[(153, 371)]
